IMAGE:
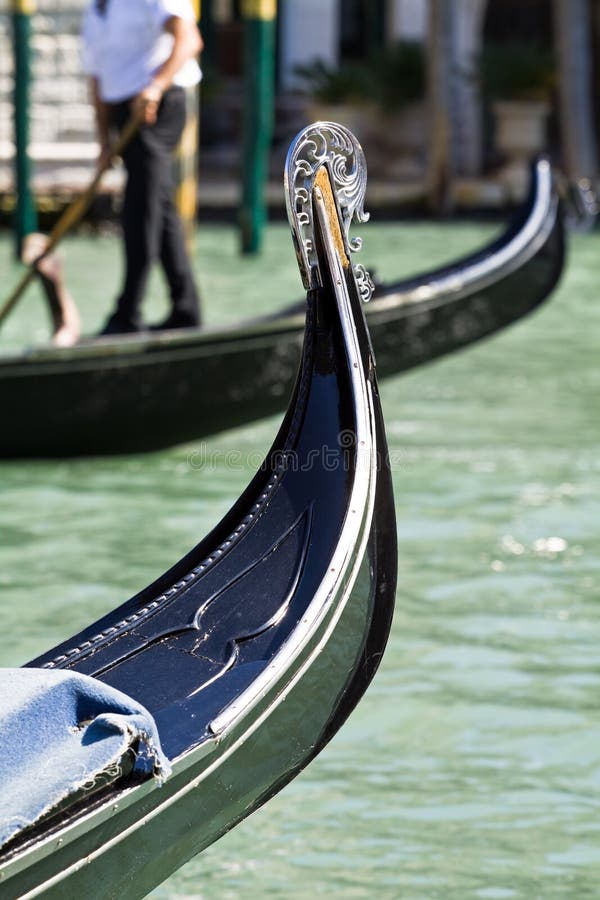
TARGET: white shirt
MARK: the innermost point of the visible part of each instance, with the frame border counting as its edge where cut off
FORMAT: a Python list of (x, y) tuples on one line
[(125, 47)]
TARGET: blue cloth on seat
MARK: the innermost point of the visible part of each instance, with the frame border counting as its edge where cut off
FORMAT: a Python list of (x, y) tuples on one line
[(59, 732)]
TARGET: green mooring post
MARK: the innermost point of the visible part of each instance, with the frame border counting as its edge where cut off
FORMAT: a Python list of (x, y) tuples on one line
[(259, 66), (25, 220)]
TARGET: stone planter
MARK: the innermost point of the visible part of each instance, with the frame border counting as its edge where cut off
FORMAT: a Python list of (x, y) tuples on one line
[(520, 135), (394, 143), (359, 118), (403, 140), (521, 127)]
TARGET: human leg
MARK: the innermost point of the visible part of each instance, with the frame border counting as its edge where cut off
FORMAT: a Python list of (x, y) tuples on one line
[(66, 323), (151, 226), (145, 161), (185, 303)]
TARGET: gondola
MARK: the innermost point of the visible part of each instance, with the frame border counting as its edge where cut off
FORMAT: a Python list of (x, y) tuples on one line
[(249, 653), (135, 394)]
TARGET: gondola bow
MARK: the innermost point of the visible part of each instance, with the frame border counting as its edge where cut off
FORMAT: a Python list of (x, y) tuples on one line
[(250, 653)]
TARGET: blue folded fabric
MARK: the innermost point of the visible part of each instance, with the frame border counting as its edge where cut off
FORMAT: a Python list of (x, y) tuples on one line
[(60, 732)]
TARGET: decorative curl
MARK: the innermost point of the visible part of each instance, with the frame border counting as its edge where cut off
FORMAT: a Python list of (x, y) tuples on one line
[(332, 145)]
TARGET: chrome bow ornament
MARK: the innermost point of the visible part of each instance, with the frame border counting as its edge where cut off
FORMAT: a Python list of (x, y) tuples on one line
[(333, 146)]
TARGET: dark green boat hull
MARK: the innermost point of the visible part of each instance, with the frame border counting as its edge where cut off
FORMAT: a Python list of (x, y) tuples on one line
[(136, 394)]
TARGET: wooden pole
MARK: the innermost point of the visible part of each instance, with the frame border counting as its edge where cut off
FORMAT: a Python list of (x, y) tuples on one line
[(186, 162), (259, 65), (25, 220), (186, 169), (440, 62), (467, 108), (572, 27)]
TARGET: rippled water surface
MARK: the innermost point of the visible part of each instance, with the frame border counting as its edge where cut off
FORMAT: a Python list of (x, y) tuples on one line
[(472, 767)]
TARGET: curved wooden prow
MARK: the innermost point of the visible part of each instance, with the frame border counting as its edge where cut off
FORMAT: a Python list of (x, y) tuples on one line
[(323, 191)]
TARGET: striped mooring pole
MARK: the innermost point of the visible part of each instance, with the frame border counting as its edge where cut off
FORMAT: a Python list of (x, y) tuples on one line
[(186, 161), (259, 68), (25, 218)]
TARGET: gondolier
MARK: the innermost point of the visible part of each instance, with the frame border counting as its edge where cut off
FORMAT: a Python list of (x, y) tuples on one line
[(140, 56)]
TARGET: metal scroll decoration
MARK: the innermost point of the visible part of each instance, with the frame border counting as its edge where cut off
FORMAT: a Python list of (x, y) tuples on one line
[(332, 145)]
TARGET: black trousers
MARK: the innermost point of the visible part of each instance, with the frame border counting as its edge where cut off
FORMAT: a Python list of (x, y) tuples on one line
[(151, 226)]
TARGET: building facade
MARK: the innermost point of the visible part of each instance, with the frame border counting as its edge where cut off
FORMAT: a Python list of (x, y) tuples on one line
[(333, 31)]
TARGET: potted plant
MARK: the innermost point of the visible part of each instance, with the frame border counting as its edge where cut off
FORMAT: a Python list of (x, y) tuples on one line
[(381, 100), (398, 82), (338, 94), (518, 80)]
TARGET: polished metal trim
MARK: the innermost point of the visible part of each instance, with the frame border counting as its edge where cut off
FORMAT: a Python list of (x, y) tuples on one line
[(342, 572), (296, 656), (333, 146), (500, 264)]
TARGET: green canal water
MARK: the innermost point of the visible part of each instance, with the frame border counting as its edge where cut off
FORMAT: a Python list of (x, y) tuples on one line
[(472, 767)]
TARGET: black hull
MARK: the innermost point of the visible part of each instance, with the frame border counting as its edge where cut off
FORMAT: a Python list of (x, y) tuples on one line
[(143, 394), (252, 651)]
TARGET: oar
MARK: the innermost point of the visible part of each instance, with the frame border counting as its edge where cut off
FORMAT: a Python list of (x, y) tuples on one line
[(71, 215)]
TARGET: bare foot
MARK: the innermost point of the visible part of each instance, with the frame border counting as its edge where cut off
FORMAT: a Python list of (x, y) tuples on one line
[(66, 323), (66, 336)]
